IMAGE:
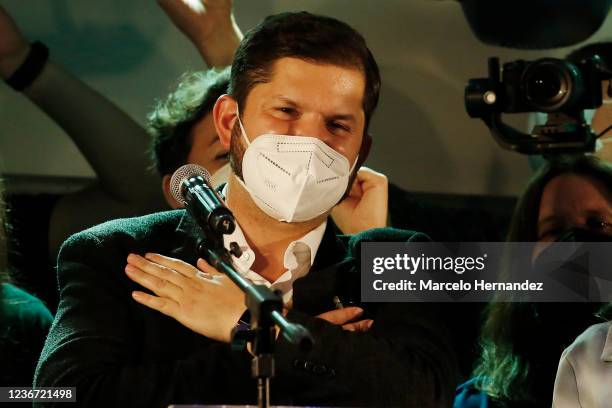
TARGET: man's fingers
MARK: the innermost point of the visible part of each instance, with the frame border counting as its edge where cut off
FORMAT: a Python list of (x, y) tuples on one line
[(165, 306), (159, 286), (360, 326), (341, 316), (366, 173), (206, 268), (356, 190), (369, 178), (154, 273), (178, 265)]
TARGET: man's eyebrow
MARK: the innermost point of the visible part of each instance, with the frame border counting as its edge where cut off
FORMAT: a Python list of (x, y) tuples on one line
[(347, 117), (286, 100), (597, 212), (340, 116)]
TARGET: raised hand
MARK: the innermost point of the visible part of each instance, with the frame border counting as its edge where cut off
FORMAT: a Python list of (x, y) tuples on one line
[(14, 47), (209, 25), (367, 204)]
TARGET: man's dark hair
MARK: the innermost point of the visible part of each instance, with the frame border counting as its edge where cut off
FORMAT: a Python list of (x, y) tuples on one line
[(171, 119), (308, 37)]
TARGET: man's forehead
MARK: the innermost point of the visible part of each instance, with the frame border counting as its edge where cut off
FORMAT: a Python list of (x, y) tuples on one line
[(298, 68), (301, 81)]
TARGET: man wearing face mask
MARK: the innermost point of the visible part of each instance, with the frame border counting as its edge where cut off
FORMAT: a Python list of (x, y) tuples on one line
[(156, 330), (183, 131)]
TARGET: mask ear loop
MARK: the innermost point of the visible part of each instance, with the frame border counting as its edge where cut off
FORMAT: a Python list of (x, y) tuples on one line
[(244, 135)]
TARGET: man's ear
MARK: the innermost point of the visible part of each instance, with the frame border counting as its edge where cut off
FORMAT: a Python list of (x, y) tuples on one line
[(224, 114), (167, 194)]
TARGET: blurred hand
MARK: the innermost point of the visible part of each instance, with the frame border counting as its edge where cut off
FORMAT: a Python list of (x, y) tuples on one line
[(209, 25), (601, 121), (201, 299), (366, 206), (14, 47), (347, 319)]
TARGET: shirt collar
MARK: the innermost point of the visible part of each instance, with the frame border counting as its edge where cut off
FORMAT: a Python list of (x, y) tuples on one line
[(312, 240), (309, 242)]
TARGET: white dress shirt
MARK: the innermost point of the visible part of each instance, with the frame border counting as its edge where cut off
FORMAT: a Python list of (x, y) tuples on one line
[(299, 257), (584, 377)]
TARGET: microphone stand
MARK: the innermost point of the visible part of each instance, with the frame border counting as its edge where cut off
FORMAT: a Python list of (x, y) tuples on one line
[(266, 309)]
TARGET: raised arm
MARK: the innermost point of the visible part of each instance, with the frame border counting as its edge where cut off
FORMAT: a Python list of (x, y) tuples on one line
[(112, 142)]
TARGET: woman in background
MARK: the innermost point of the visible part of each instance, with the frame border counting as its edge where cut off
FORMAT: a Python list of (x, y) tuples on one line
[(569, 198)]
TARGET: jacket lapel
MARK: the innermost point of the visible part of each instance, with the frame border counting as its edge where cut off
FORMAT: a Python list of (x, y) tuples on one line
[(188, 234), (314, 293)]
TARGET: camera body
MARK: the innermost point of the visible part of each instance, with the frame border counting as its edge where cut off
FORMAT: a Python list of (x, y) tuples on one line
[(550, 85), (544, 85), (561, 88)]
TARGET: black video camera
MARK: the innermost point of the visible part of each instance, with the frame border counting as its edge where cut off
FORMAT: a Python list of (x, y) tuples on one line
[(555, 86)]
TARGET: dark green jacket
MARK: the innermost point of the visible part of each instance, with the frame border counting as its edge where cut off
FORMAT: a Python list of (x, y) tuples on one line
[(24, 324), (121, 354)]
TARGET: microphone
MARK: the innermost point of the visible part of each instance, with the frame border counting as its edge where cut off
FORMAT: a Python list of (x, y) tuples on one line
[(190, 184)]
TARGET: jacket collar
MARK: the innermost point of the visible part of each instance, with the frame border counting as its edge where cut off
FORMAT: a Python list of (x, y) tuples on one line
[(329, 277)]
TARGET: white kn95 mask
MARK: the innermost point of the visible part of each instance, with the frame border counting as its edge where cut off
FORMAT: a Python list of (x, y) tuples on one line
[(293, 178)]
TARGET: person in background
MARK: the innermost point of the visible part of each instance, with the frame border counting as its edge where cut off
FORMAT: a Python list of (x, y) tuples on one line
[(24, 323), (584, 375), (103, 133), (600, 118), (568, 198)]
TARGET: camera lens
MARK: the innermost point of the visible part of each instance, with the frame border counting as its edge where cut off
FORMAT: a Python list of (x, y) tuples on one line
[(546, 85)]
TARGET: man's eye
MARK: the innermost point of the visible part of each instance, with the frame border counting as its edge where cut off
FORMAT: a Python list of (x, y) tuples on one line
[(597, 224), (340, 126), (286, 110)]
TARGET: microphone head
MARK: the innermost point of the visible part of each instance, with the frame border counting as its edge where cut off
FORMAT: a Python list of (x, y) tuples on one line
[(185, 173)]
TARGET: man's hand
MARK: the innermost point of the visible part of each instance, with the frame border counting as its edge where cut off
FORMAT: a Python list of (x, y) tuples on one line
[(346, 318), (14, 47), (209, 25), (201, 299), (366, 206)]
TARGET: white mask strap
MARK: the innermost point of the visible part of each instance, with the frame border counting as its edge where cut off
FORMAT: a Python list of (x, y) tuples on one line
[(354, 164), (244, 135)]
